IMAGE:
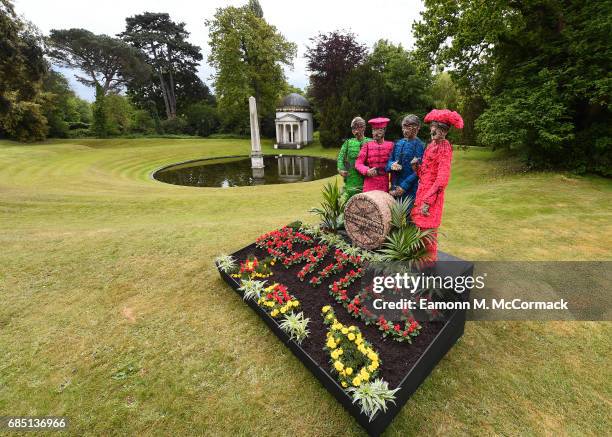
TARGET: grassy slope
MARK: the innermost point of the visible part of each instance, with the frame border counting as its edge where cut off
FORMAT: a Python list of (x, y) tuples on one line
[(113, 315)]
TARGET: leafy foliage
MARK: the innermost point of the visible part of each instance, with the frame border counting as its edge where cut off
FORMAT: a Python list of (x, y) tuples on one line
[(296, 326), (406, 244), (541, 68), (106, 61), (168, 52), (22, 69), (373, 397), (331, 210), (400, 211), (247, 54)]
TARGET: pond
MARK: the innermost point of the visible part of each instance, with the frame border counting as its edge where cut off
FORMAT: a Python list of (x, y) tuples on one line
[(236, 171)]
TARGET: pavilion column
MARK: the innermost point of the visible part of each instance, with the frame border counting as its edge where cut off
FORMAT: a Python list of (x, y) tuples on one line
[(299, 134)]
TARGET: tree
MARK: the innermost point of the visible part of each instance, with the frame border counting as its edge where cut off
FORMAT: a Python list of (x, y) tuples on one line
[(542, 68), (255, 7), (61, 107), (247, 54), (100, 118), (22, 69), (105, 61), (168, 51), (331, 59), (189, 90)]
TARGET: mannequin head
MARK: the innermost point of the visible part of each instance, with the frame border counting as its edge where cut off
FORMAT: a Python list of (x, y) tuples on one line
[(358, 126), (410, 126)]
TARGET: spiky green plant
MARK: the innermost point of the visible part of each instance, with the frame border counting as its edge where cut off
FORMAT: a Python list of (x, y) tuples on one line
[(251, 289), (296, 326), (407, 245), (373, 396), (331, 211), (226, 263), (400, 210)]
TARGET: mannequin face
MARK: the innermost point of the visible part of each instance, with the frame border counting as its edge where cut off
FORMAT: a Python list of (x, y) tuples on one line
[(437, 133), (410, 131), (378, 134), (359, 131)]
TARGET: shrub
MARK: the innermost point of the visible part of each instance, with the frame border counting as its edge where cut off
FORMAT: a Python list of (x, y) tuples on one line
[(174, 125)]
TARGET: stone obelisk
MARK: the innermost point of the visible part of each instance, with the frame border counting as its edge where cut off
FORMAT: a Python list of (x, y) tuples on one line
[(257, 162)]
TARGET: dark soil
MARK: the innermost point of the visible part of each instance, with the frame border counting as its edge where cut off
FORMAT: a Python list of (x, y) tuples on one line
[(396, 358)]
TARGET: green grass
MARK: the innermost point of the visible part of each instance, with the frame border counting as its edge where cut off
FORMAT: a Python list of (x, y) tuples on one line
[(113, 314)]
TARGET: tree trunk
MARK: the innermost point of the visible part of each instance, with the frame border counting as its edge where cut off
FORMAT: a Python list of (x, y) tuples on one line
[(172, 95), (164, 90)]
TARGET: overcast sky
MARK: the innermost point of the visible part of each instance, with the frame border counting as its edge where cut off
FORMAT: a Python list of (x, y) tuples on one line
[(296, 20)]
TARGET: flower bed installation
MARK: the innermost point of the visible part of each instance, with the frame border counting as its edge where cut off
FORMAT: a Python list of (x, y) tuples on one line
[(306, 285)]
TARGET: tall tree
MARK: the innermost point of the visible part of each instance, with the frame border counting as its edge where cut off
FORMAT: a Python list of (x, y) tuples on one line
[(248, 55), (169, 53), (22, 70), (332, 57), (255, 7), (105, 61), (543, 68)]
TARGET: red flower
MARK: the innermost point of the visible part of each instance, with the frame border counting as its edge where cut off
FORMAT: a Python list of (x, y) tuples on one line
[(397, 327)]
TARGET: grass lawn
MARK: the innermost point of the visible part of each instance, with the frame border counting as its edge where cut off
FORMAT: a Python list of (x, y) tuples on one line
[(114, 315)]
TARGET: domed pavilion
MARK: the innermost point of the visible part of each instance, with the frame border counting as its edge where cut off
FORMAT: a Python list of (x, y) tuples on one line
[(293, 121)]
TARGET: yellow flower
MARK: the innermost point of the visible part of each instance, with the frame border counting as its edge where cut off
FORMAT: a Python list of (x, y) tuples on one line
[(340, 351), (364, 374), (274, 313), (283, 310), (344, 384), (329, 316), (335, 354), (351, 328), (356, 381), (372, 355), (331, 343), (336, 326), (345, 331), (326, 308), (351, 336), (349, 371), (338, 365), (372, 367)]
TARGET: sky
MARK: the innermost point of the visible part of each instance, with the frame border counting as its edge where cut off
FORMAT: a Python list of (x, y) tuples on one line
[(296, 20)]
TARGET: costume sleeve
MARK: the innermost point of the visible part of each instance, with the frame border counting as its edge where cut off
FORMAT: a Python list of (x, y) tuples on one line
[(391, 158), (342, 156), (445, 156), (360, 165), (409, 180)]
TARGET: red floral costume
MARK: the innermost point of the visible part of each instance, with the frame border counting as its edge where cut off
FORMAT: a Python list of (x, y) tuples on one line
[(433, 174), (376, 155)]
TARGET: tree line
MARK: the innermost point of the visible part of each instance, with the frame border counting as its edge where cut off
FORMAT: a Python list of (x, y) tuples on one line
[(533, 77)]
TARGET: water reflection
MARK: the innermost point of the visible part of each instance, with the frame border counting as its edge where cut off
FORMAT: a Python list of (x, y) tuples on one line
[(231, 172)]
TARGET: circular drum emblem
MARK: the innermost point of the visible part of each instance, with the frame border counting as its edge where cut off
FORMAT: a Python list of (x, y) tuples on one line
[(367, 218)]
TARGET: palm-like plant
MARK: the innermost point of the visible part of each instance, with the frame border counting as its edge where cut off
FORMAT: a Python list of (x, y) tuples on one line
[(407, 244), (331, 210), (400, 210)]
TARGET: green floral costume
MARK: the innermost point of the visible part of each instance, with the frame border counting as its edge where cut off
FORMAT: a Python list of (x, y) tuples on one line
[(353, 183)]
